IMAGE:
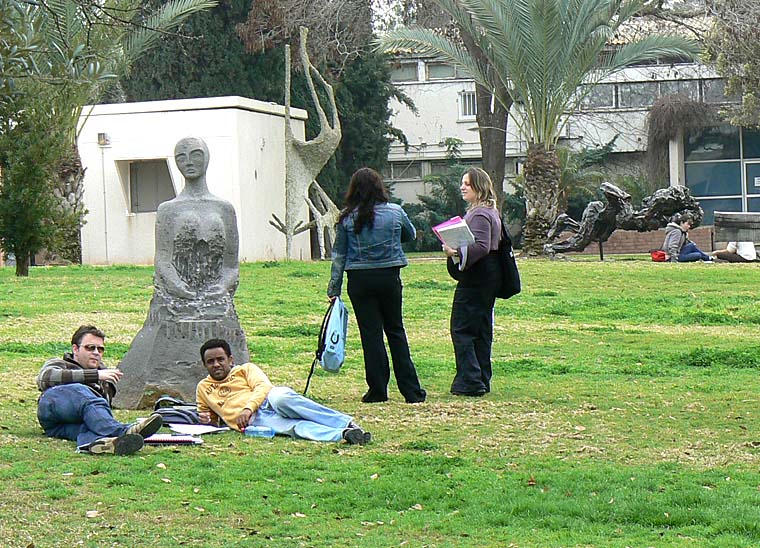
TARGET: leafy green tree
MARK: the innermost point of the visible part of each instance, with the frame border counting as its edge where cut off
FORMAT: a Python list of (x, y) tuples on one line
[(734, 48), (30, 141), (209, 60), (540, 52)]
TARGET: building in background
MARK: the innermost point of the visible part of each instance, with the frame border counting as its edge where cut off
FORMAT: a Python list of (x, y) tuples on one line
[(720, 165)]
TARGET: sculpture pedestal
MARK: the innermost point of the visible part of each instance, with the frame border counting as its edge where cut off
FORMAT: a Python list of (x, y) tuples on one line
[(164, 356)]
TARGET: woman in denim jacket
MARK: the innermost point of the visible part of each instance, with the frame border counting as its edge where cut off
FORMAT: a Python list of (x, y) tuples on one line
[(368, 246)]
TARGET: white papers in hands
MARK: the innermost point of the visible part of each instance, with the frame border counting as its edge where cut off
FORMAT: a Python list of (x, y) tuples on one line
[(454, 233)]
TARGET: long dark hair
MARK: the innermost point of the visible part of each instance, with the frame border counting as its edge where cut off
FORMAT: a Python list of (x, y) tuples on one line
[(364, 192)]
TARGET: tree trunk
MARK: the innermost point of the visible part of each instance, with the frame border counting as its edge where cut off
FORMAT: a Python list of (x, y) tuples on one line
[(492, 116), (69, 190), (492, 128), (22, 264), (541, 196)]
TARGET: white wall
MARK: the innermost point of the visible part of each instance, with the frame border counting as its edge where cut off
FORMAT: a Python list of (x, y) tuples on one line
[(247, 167)]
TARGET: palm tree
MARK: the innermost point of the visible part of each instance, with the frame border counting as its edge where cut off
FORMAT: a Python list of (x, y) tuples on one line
[(540, 52)]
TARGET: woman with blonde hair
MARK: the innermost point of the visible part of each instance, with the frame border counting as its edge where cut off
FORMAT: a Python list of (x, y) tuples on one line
[(476, 268)]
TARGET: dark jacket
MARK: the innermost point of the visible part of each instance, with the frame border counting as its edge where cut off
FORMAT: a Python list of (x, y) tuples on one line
[(57, 371)]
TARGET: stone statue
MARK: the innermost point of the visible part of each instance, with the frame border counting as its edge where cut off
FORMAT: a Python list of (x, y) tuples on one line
[(600, 220), (305, 159), (196, 275), (325, 214)]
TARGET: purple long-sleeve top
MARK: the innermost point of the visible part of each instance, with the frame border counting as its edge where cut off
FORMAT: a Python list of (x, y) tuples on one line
[(485, 225)]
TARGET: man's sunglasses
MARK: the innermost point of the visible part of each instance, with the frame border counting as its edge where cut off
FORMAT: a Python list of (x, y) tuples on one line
[(93, 347)]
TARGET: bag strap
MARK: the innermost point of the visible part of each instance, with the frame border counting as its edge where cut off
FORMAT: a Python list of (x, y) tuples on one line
[(168, 401), (320, 343), (311, 373)]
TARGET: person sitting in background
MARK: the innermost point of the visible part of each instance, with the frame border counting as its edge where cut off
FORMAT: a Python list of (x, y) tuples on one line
[(76, 399), (737, 252), (677, 245), (243, 396)]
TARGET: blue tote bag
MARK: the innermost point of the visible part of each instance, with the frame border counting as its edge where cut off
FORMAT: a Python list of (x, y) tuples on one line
[(331, 345)]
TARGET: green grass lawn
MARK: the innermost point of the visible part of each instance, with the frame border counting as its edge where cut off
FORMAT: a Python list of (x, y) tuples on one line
[(624, 412)]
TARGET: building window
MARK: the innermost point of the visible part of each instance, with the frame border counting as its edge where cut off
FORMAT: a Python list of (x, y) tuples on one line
[(443, 167), (689, 88), (721, 172), (444, 71), (149, 185), (405, 72), (404, 170), (712, 143), (600, 96), (468, 105), (714, 91), (440, 71), (638, 94)]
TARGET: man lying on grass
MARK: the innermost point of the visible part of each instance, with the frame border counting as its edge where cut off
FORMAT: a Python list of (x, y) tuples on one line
[(243, 396), (76, 399)]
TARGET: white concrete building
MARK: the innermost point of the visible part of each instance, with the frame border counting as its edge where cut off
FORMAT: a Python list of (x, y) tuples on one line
[(128, 152), (445, 99)]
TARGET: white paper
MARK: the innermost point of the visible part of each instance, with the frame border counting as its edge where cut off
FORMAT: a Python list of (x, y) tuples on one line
[(456, 236), (196, 429)]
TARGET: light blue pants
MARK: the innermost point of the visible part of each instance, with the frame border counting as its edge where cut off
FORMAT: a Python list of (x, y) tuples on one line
[(292, 414)]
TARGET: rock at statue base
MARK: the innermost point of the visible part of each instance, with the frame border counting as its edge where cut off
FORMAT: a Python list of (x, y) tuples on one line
[(164, 357)]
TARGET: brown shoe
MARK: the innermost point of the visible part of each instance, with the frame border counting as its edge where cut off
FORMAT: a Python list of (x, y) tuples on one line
[(147, 427), (127, 444)]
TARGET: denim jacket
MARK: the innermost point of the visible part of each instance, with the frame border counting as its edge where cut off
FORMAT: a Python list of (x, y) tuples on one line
[(376, 247)]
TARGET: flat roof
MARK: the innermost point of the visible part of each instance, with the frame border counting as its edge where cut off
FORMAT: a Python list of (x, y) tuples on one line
[(203, 103)]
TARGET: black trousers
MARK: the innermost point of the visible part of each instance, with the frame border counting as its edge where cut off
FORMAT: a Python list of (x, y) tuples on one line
[(376, 299), (472, 328)]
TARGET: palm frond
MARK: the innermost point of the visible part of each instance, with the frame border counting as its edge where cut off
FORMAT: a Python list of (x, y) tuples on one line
[(653, 47), (170, 16), (427, 42)]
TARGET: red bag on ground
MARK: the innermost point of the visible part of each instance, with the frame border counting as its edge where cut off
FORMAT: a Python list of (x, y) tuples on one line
[(658, 256)]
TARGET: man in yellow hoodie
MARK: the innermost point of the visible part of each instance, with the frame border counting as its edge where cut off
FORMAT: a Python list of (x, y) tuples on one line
[(242, 396)]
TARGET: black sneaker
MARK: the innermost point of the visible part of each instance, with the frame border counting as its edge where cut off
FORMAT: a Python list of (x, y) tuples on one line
[(128, 444), (373, 398), (147, 427), (356, 436)]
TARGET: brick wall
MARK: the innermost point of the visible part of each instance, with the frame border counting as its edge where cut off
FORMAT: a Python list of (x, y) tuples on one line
[(629, 241)]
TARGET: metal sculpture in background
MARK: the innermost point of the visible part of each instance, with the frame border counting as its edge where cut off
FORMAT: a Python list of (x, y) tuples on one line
[(305, 159), (196, 275), (601, 219)]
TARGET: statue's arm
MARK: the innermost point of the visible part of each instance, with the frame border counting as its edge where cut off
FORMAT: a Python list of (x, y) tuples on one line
[(230, 270)]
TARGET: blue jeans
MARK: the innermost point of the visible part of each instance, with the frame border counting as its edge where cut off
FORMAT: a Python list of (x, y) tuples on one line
[(287, 412), (74, 412), (690, 253)]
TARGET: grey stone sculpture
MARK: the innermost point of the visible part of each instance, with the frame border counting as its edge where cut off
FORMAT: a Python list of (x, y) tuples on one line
[(601, 219), (196, 275), (325, 214), (305, 159)]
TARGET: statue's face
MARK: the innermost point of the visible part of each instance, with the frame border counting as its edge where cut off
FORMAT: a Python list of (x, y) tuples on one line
[(191, 158)]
